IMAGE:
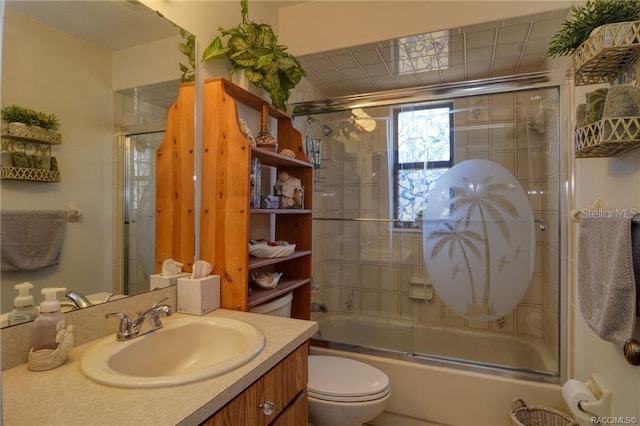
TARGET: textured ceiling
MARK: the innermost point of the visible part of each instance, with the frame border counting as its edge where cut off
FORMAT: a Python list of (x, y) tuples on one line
[(493, 49)]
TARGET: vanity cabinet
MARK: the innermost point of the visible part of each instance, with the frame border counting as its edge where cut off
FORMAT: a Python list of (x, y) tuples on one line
[(277, 398), (227, 218)]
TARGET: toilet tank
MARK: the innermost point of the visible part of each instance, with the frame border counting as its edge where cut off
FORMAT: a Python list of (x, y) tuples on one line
[(280, 307)]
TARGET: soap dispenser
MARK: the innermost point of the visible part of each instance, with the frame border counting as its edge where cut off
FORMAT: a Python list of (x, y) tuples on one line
[(24, 310), (49, 322)]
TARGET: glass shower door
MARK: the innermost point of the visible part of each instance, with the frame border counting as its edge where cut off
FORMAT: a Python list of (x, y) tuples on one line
[(139, 209)]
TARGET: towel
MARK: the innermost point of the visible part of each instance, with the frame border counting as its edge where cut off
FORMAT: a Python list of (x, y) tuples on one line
[(635, 250), (606, 284), (31, 239)]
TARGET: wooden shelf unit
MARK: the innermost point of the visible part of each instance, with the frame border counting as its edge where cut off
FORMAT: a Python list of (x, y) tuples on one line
[(226, 215)]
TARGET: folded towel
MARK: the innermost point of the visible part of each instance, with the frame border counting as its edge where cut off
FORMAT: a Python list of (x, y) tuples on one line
[(31, 239), (606, 284), (635, 250)]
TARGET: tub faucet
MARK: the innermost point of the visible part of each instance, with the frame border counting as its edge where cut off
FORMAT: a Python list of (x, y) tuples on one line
[(319, 307), (128, 329), (78, 299)]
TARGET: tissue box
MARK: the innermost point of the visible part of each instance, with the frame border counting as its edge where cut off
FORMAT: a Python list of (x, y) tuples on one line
[(198, 296), (158, 281)]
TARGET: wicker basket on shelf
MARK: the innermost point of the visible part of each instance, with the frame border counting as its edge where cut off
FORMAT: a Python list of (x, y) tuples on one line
[(523, 415)]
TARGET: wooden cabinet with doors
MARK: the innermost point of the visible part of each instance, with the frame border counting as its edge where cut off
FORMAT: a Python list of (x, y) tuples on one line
[(227, 218), (279, 398)]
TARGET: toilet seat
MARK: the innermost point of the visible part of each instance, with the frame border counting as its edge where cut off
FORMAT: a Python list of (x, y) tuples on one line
[(345, 380)]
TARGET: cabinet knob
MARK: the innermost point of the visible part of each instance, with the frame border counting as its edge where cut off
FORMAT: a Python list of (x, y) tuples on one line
[(267, 408), (632, 351)]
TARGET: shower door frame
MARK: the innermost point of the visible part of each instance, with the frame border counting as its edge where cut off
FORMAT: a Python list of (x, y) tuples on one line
[(541, 80)]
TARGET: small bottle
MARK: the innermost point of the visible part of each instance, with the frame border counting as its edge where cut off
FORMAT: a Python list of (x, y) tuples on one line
[(49, 322), (24, 310)]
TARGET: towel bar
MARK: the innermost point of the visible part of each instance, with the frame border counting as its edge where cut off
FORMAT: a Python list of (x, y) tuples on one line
[(73, 213)]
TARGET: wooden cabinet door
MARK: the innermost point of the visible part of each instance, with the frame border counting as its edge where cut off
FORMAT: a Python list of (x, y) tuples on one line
[(266, 398), (296, 414)]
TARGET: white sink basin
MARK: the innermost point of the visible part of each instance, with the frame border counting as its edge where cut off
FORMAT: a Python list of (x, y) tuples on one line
[(184, 350)]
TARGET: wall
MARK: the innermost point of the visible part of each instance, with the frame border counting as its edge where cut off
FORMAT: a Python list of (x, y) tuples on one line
[(615, 181), (71, 79)]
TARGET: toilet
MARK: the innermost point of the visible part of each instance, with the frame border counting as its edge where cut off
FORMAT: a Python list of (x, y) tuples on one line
[(344, 392)]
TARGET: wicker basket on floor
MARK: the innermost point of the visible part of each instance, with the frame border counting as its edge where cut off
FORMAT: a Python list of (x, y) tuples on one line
[(523, 415)]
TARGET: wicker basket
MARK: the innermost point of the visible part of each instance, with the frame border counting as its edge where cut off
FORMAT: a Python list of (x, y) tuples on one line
[(523, 415)]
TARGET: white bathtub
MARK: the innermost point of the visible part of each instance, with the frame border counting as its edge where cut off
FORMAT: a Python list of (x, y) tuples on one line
[(423, 393)]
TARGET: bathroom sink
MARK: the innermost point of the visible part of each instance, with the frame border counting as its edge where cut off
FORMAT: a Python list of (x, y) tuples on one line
[(184, 350)]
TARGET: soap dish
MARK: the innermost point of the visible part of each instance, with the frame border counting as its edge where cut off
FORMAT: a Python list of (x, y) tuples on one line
[(266, 280)]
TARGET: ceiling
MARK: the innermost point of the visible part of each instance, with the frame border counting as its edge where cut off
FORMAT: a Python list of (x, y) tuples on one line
[(498, 48), (493, 49), (111, 24)]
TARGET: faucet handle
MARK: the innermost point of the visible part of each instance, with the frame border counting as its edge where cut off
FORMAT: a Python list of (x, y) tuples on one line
[(125, 328), (164, 299)]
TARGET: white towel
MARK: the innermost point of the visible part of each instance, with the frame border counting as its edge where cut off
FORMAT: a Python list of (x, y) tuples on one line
[(606, 283), (31, 239)]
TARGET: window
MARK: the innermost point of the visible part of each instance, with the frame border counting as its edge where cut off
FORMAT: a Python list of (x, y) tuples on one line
[(423, 151)]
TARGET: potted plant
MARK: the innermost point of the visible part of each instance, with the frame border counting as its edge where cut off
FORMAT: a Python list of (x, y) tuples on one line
[(592, 15), (253, 49), (29, 117), (188, 48)]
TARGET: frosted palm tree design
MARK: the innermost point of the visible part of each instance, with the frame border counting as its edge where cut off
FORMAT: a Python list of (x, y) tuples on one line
[(454, 238), (485, 200)]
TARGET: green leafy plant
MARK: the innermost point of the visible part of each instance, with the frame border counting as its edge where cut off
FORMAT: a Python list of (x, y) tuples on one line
[(253, 49), (188, 48), (588, 17), (18, 114)]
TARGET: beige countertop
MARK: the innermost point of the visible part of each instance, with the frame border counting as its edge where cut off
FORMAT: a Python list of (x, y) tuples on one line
[(64, 396)]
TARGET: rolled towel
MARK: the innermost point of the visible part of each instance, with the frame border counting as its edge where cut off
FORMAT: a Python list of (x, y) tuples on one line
[(595, 105), (622, 100), (20, 159), (581, 115)]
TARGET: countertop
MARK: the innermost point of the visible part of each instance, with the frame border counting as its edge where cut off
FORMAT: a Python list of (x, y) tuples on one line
[(65, 396)]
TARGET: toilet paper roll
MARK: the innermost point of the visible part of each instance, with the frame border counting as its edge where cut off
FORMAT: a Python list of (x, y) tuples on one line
[(574, 392)]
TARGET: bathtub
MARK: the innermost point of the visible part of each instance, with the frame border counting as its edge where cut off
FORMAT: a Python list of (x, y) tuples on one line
[(429, 390)]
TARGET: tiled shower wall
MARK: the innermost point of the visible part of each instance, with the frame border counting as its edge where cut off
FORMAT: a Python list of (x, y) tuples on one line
[(366, 268)]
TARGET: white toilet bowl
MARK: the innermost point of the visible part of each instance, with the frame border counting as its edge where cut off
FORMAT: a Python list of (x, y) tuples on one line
[(345, 392)]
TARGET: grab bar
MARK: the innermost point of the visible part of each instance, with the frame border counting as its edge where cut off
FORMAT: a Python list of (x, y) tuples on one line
[(357, 219), (540, 222)]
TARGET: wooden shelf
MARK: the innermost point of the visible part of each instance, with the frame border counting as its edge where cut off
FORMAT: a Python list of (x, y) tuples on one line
[(606, 53), (280, 211), (261, 295), (270, 158), (259, 262), (227, 218)]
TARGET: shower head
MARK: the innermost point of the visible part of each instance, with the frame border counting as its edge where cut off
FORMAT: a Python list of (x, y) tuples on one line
[(326, 130)]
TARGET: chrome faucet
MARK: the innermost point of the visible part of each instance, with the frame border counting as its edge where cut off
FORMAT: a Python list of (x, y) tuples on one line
[(319, 307), (128, 329), (78, 299)]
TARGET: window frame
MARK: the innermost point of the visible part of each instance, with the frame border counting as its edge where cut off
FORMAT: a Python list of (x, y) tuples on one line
[(397, 166)]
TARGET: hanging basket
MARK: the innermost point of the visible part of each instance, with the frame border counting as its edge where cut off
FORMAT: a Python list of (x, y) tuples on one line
[(523, 415)]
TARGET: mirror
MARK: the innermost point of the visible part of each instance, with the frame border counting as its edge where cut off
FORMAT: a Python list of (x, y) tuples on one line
[(108, 70)]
